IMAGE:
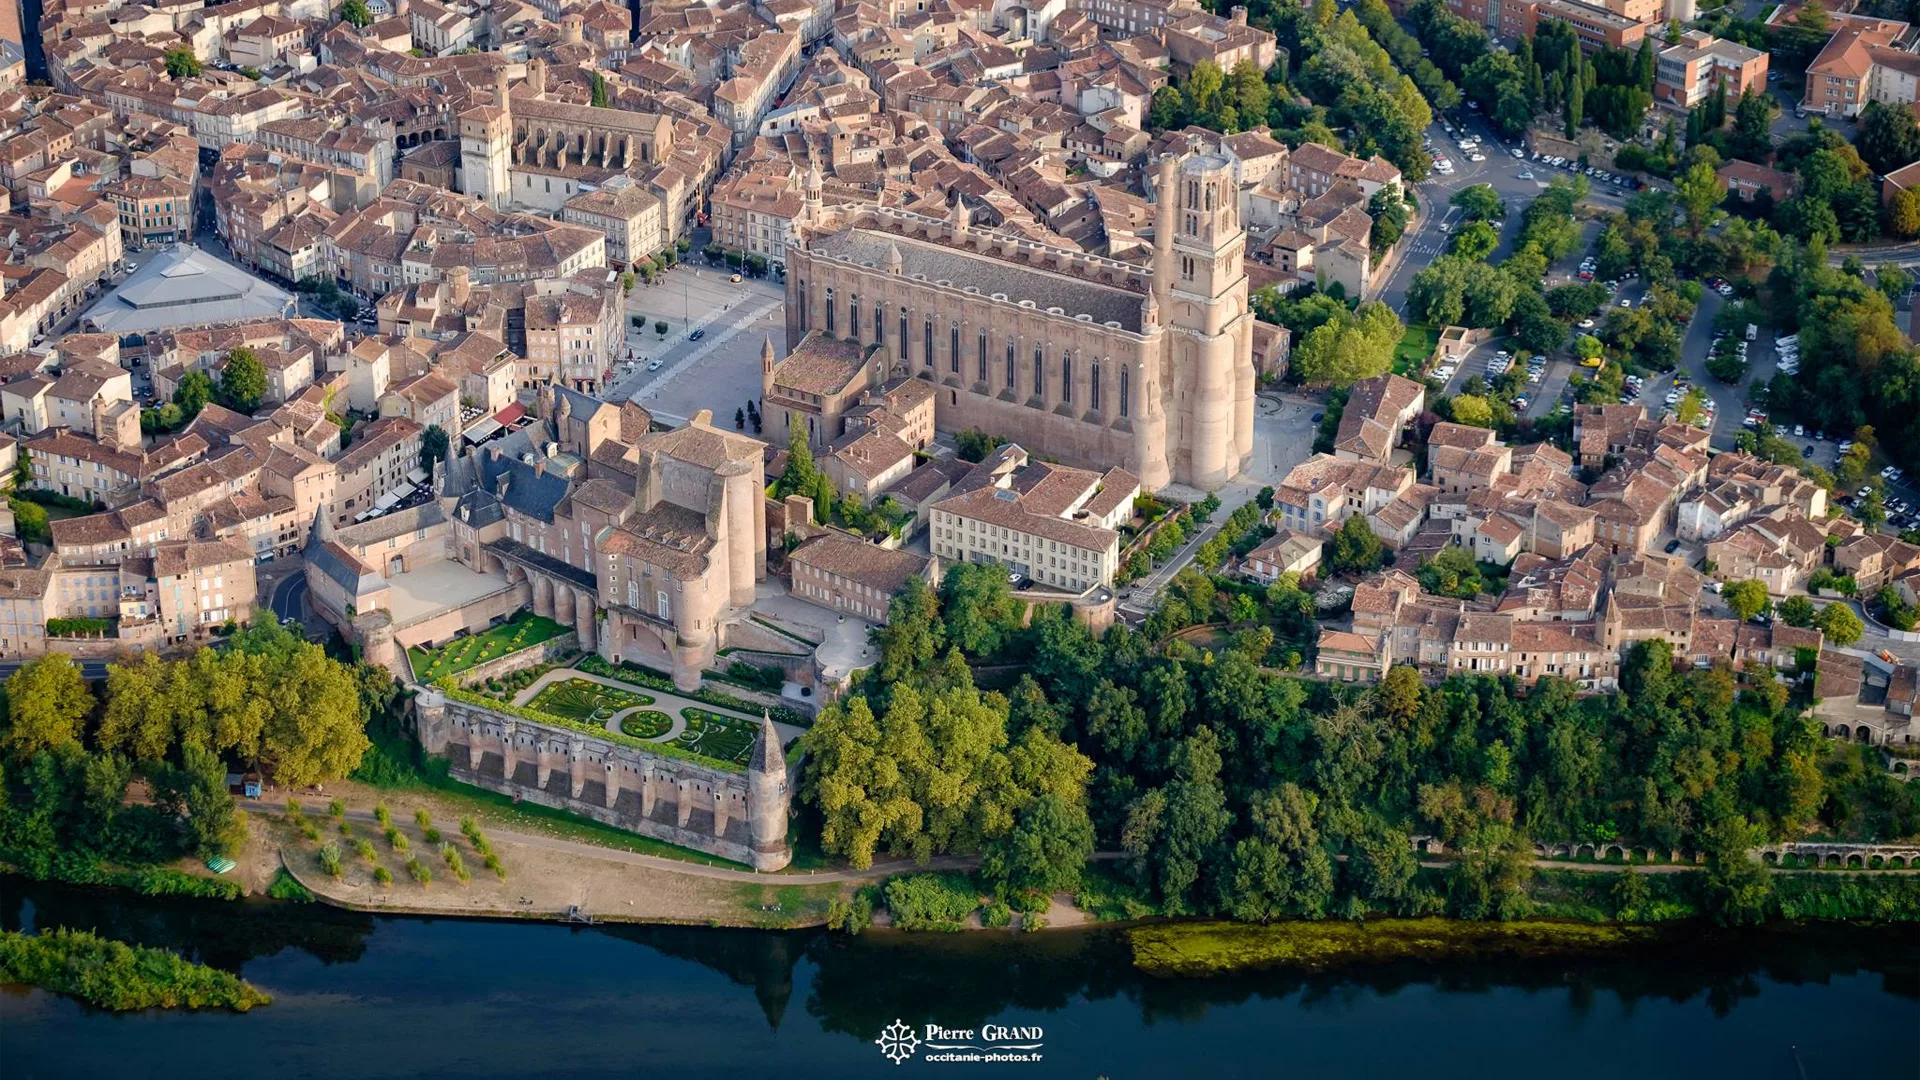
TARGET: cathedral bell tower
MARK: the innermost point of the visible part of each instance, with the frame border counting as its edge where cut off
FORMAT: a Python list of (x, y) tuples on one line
[(1200, 283)]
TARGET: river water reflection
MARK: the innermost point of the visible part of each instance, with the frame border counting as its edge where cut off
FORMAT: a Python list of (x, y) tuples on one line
[(359, 996)]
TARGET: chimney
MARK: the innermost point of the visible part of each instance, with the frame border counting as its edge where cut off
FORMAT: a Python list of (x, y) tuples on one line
[(1239, 15)]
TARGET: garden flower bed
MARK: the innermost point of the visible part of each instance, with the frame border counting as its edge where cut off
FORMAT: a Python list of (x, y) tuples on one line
[(523, 630), (580, 699), (712, 735), (646, 724)]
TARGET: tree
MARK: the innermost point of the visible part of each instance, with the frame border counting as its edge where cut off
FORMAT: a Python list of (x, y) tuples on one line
[(433, 446), (1472, 410), (47, 700), (313, 731), (1841, 626), (1903, 214), (1480, 203), (1700, 191), (597, 95), (1045, 851), (243, 381), (1737, 886), (979, 608), (193, 393), (1796, 611), (801, 476), (356, 12), (1350, 346), (1355, 548), (1888, 139), (181, 63), (1747, 598), (1475, 240)]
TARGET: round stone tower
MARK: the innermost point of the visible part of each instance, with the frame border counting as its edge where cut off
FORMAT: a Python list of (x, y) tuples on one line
[(768, 799), (375, 631)]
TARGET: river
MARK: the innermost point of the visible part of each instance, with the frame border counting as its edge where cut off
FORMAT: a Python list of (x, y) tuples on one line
[(375, 997)]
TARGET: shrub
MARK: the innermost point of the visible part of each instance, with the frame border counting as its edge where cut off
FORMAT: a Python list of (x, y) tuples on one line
[(383, 877), (336, 809), (852, 915), (287, 887), (116, 976), (293, 810), (364, 848), (422, 819), (383, 815), (309, 830), (396, 839), (996, 915), (420, 871), (432, 836), (346, 829), (329, 857), (931, 901)]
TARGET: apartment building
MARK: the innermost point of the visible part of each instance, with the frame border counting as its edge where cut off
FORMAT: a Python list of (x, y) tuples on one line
[(853, 577)]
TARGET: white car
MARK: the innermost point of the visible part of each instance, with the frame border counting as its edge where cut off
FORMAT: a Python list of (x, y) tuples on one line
[(653, 365), (1476, 157), (1526, 174), (1445, 372), (1586, 324)]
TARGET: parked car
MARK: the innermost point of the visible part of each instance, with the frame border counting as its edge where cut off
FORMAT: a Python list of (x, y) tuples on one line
[(1673, 546), (696, 335)]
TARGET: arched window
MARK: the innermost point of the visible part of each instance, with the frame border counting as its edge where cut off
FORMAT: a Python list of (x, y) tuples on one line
[(906, 342), (1066, 375), (1009, 363), (1039, 372), (926, 338), (879, 323), (1123, 390), (830, 327), (953, 347), (804, 310), (982, 339), (853, 316), (1093, 385)]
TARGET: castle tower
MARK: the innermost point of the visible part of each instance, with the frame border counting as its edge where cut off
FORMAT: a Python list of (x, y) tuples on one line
[(767, 799), (572, 28), (1203, 300), (766, 368), (537, 77)]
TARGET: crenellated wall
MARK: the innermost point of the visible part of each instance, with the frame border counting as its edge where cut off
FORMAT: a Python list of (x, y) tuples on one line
[(668, 798)]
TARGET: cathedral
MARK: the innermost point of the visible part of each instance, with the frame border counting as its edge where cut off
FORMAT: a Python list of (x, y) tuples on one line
[(1089, 360)]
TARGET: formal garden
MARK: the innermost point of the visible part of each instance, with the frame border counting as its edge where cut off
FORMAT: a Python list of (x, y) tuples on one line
[(580, 699), (728, 738), (646, 724), (524, 629)]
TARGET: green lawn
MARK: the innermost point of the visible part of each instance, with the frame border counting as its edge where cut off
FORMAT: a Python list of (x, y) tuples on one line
[(1415, 346), (581, 699), (647, 724), (725, 737), (524, 629)]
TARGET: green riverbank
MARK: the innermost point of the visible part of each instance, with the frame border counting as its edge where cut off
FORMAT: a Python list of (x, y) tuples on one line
[(119, 977), (1217, 948)]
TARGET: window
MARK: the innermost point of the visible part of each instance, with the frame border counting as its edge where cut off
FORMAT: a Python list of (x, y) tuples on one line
[(953, 347), (660, 604), (983, 354), (879, 324), (830, 326), (1186, 274), (1009, 364), (1123, 391), (1093, 385), (1066, 375), (926, 341), (1039, 372), (853, 316), (904, 339)]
